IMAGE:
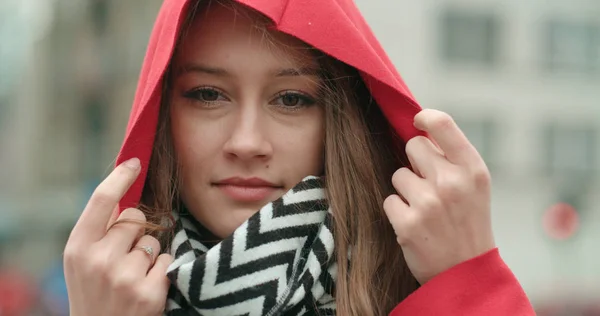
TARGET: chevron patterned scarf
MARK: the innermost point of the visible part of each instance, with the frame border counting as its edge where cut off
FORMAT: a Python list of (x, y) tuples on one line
[(279, 262)]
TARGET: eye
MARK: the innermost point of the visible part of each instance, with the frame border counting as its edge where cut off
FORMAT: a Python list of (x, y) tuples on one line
[(209, 95), (290, 99), (205, 94), (293, 99)]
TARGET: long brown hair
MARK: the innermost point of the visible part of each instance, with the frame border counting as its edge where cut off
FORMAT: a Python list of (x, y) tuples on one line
[(361, 153)]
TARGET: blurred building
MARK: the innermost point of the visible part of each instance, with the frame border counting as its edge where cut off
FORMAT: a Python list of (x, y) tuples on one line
[(520, 77), (63, 114)]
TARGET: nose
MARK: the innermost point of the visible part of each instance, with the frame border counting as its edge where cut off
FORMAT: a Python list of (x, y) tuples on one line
[(248, 139)]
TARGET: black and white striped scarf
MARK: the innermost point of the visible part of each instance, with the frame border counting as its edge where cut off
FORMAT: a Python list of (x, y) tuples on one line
[(279, 262)]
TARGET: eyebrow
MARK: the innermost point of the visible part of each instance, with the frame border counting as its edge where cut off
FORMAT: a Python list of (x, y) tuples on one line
[(203, 69), (295, 72), (222, 72)]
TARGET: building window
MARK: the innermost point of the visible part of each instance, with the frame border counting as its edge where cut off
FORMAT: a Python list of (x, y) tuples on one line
[(99, 10), (137, 33), (570, 150), (469, 37), (572, 46), (95, 115)]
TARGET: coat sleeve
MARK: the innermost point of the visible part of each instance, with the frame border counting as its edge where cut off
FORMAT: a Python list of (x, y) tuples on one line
[(483, 285)]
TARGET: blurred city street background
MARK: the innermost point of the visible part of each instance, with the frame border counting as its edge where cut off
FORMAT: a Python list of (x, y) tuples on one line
[(521, 77)]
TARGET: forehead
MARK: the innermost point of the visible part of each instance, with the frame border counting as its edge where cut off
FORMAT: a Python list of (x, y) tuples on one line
[(225, 34)]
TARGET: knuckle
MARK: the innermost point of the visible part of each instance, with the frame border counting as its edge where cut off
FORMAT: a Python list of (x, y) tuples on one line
[(403, 239), (407, 227), (481, 177), (441, 120), (399, 175), (451, 185), (72, 256), (98, 264), (391, 207), (410, 222), (147, 300), (124, 283), (103, 198), (429, 202), (388, 203)]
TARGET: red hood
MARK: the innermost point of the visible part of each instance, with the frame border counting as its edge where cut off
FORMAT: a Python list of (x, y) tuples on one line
[(336, 27)]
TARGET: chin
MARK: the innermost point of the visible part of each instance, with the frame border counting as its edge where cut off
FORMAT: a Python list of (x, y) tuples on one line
[(236, 218), (243, 214)]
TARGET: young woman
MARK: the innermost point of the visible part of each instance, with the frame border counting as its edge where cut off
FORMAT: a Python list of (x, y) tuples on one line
[(277, 156)]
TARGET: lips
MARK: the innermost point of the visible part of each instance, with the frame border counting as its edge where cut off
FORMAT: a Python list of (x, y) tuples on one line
[(247, 189)]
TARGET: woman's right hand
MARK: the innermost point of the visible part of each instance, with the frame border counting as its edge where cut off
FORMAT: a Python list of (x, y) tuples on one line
[(106, 269)]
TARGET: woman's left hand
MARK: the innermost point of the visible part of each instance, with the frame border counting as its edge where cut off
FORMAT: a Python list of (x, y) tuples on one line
[(441, 214)]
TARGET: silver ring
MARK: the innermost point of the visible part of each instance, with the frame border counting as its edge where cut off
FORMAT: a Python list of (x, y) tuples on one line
[(148, 250)]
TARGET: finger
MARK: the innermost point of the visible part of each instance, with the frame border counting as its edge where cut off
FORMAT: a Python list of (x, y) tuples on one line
[(399, 214), (158, 272), (409, 185), (451, 140), (128, 228), (392, 205), (92, 223), (143, 254), (425, 158)]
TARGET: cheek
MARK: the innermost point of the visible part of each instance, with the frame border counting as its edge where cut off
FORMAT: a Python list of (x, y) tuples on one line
[(192, 146), (304, 148)]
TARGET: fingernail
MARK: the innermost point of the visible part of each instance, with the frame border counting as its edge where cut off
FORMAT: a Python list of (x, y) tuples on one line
[(133, 164)]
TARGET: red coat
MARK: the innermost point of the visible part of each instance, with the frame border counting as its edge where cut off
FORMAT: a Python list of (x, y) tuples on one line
[(481, 286)]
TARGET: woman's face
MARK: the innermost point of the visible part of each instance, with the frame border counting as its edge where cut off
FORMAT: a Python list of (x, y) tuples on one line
[(246, 120)]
